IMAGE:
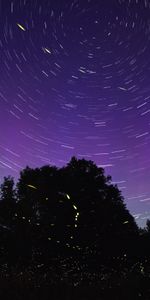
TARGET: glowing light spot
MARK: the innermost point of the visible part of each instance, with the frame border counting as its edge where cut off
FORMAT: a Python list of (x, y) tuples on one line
[(49, 238), (74, 207), (47, 50), (68, 197), (76, 216), (32, 186), (125, 222), (21, 27), (41, 265), (122, 88)]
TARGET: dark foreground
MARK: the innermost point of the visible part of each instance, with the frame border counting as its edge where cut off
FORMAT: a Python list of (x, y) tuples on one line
[(65, 280)]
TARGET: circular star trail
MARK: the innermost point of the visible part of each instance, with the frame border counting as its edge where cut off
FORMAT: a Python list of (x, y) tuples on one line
[(74, 80)]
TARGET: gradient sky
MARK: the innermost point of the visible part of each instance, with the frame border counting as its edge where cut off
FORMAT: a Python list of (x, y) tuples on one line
[(75, 80)]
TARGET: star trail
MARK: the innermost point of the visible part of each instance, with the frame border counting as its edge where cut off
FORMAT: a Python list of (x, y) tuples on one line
[(74, 81)]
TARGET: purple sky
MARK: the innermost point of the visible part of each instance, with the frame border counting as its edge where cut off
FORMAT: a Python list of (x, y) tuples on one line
[(74, 80)]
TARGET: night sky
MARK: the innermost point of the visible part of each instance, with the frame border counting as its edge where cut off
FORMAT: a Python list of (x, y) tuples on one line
[(75, 80)]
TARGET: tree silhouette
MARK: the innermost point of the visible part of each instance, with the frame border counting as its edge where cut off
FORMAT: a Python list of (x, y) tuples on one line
[(73, 209), (7, 203), (102, 211), (44, 209), (148, 225), (7, 209)]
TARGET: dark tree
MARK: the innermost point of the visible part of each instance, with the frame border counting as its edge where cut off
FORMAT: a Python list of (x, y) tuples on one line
[(8, 198), (41, 207), (102, 211), (148, 226), (7, 211), (74, 208)]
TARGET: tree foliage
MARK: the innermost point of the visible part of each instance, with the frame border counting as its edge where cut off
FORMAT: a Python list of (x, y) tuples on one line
[(8, 198), (73, 208)]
